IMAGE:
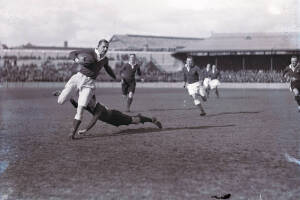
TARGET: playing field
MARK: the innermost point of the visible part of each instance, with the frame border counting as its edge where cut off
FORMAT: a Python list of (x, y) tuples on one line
[(238, 148)]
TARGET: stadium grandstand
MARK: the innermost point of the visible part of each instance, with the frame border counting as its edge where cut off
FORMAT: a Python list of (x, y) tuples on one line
[(241, 57), (247, 51)]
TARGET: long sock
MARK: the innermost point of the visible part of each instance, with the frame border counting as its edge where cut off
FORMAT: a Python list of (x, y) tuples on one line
[(217, 92), (201, 108), (297, 98), (76, 124), (129, 102)]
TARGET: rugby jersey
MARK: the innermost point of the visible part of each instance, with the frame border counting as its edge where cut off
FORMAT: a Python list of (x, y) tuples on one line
[(215, 75), (128, 72), (93, 68), (192, 75)]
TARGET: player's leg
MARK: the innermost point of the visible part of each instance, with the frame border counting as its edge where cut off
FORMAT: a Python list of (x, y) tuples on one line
[(202, 93), (142, 119), (85, 95), (297, 97), (125, 93), (213, 84), (217, 92), (197, 103), (67, 92), (131, 90), (206, 86)]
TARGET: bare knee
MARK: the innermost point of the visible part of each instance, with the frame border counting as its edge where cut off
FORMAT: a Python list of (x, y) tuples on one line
[(79, 112), (296, 91), (60, 100)]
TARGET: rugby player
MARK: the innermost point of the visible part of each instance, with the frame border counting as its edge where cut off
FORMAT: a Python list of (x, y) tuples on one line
[(90, 62), (193, 81), (128, 81), (214, 82), (207, 78), (111, 116), (293, 73)]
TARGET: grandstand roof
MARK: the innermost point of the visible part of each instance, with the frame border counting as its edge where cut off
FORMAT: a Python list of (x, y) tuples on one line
[(36, 47), (147, 42), (222, 42)]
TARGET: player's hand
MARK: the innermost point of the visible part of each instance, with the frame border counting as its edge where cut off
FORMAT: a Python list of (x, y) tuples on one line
[(184, 86), (83, 131)]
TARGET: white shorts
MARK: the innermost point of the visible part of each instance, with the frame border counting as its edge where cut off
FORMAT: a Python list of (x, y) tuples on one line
[(196, 88), (212, 84), (81, 83), (206, 82), (193, 88)]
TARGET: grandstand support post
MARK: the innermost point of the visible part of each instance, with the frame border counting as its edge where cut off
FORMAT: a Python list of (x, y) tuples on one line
[(243, 62), (271, 62), (216, 61)]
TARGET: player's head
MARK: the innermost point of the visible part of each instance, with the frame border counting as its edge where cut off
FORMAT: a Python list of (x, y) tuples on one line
[(294, 60), (103, 46), (132, 58), (208, 67), (214, 67), (189, 61)]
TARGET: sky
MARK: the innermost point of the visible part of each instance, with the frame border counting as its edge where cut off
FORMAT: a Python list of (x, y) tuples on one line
[(83, 23)]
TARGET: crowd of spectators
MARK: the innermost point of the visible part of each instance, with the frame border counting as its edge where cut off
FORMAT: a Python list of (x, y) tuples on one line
[(60, 72)]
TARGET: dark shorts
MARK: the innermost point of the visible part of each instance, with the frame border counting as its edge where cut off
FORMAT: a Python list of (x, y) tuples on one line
[(117, 118), (128, 87), (295, 84)]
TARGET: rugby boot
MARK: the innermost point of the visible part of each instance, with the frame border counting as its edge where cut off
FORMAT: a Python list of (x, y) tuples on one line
[(157, 123)]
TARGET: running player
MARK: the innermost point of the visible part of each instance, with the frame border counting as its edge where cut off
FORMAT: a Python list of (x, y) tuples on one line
[(214, 82), (293, 73), (111, 116), (90, 62), (193, 81), (128, 82), (207, 78)]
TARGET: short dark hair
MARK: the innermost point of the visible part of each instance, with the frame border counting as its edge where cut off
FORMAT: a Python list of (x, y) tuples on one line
[(189, 57), (132, 54), (294, 57), (102, 41)]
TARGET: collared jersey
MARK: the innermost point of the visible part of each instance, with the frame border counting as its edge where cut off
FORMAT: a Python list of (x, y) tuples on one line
[(192, 75), (128, 72), (93, 67), (215, 74)]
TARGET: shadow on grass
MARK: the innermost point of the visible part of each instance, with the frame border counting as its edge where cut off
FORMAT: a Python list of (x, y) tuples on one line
[(154, 130), (233, 113)]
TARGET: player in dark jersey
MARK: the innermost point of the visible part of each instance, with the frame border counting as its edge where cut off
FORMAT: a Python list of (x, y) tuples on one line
[(111, 116), (293, 73), (214, 82), (128, 81), (207, 78), (193, 81), (90, 62)]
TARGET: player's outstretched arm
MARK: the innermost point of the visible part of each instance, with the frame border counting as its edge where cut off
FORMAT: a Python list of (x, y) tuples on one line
[(109, 70)]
